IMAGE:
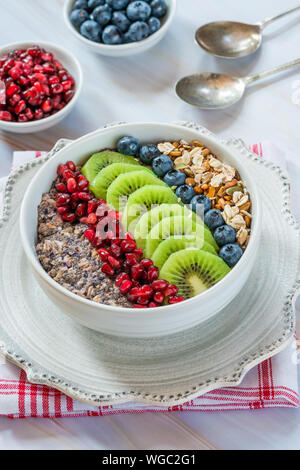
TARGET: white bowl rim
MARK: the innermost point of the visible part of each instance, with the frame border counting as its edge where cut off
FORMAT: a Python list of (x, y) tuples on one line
[(31, 255), (121, 47), (78, 84)]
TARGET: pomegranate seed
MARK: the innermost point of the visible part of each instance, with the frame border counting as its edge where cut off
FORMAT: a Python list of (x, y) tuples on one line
[(61, 187), (11, 89), (69, 217), (71, 185), (62, 209), (125, 287), (171, 290), (47, 105), (92, 205), (83, 184), (137, 271), (121, 278), (56, 101), (159, 285), (145, 290), (46, 89), (63, 200), (81, 210), (53, 79), (71, 165), (107, 269), (153, 305), (38, 68), (56, 88), (153, 273), (47, 57), (114, 262), (68, 174), (85, 196), (48, 68), (67, 85), (68, 95), (38, 114), (104, 254), (32, 93), (143, 300), (89, 234), (138, 306), (60, 169), (57, 65), (40, 77), (146, 263), (15, 73), (131, 259), (132, 295), (8, 65), (138, 252), (39, 87), (158, 297), (128, 246), (29, 113), (83, 220), (175, 300), (92, 219), (115, 250), (5, 116)]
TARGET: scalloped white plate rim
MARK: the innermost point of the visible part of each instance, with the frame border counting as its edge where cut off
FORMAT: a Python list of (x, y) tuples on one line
[(127, 397)]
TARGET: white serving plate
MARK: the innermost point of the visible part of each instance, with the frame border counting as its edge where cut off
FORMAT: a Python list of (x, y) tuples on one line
[(99, 369)]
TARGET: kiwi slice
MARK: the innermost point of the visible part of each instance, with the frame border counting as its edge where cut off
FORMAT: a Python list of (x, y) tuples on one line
[(155, 215), (193, 271), (126, 184), (102, 159), (142, 200), (175, 226), (171, 245), (107, 175)]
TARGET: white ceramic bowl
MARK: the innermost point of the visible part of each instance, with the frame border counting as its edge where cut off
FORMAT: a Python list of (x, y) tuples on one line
[(123, 50), (127, 321), (70, 63)]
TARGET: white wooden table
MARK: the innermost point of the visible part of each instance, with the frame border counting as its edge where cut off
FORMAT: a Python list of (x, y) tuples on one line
[(142, 88)]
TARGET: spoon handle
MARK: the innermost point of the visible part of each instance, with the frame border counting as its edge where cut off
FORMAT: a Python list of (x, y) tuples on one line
[(266, 73), (268, 21)]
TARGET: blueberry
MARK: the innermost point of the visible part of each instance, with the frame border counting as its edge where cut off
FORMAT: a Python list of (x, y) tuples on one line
[(154, 24), (127, 38), (148, 152), (80, 4), (102, 14), (174, 178), (198, 200), (185, 193), (138, 11), (77, 17), (224, 234), (161, 165), (117, 4), (91, 30), (129, 146), (231, 254), (120, 20), (138, 31), (213, 219), (92, 4), (159, 8)]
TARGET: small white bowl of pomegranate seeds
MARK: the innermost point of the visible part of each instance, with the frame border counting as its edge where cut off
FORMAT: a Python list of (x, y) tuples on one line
[(39, 86)]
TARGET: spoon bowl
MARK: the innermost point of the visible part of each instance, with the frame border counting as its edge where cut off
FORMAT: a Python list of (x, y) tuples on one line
[(211, 90), (229, 39)]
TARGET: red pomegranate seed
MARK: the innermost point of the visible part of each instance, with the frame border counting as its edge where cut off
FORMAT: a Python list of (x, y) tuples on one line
[(47, 57), (83, 184), (67, 85), (48, 68), (128, 246), (107, 269), (68, 95), (115, 250), (56, 101), (114, 262), (71, 165), (60, 169), (153, 305), (68, 174), (131, 259), (39, 87), (175, 300), (153, 273), (92, 219), (92, 205), (8, 65), (61, 187), (145, 290), (40, 77), (89, 234), (132, 295), (125, 287), (71, 185), (38, 114), (23, 81), (138, 306), (69, 217), (146, 263), (143, 300), (63, 200), (83, 220), (138, 252), (11, 89), (137, 272), (56, 88), (159, 285), (38, 68), (33, 51), (15, 73), (29, 113), (53, 79), (57, 65), (62, 209), (5, 116), (158, 297), (47, 105), (81, 210), (22, 117), (171, 290), (121, 278), (85, 196), (104, 254)]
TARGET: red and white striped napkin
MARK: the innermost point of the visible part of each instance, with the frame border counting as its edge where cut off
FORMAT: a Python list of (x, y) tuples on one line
[(271, 384)]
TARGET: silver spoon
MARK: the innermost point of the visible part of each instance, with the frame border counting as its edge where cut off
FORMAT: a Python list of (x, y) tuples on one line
[(217, 90), (232, 40)]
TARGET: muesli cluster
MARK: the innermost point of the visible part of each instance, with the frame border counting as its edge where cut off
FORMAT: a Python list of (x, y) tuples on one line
[(218, 181)]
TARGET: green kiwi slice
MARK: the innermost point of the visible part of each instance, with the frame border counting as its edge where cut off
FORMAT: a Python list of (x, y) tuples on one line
[(193, 271), (155, 215), (126, 184), (107, 175), (177, 226), (144, 199), (171, 245), (102, 159)]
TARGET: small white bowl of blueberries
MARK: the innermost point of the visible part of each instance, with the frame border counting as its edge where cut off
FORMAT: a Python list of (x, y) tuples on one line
[(119, 28)]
